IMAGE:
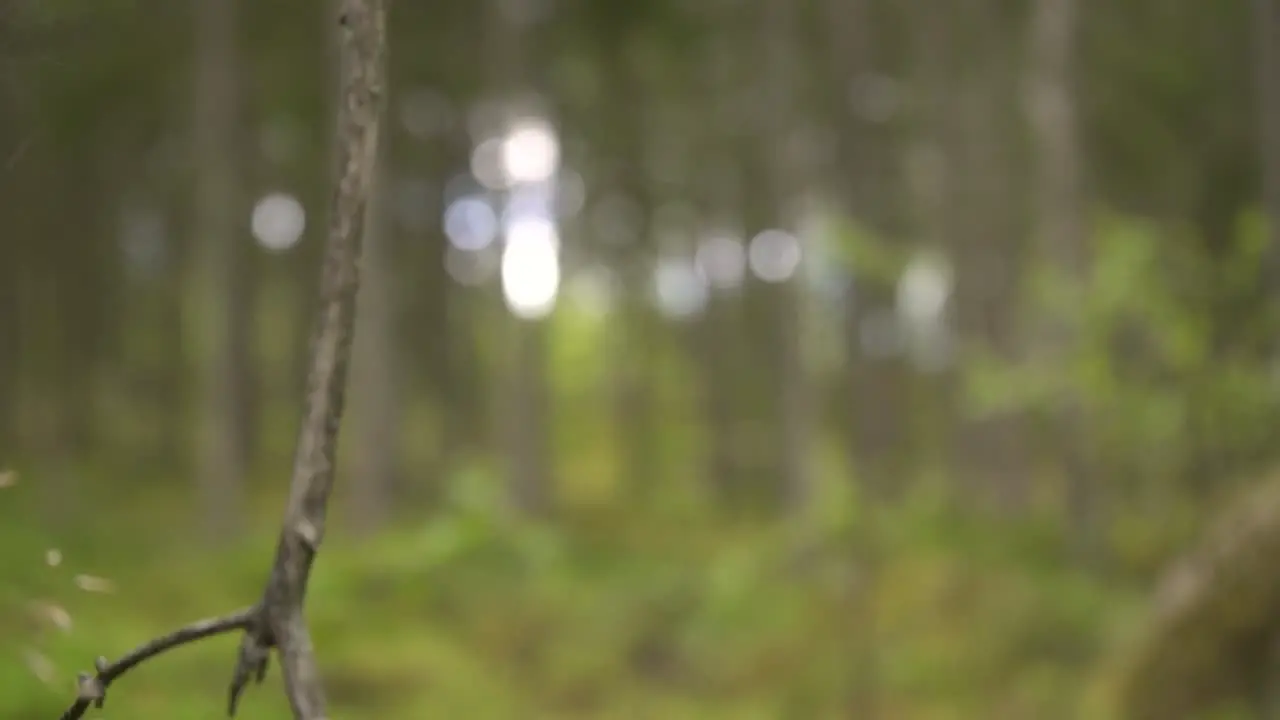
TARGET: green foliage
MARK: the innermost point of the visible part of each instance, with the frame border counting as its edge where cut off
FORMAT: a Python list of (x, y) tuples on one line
[(857, 248), (1165, 345), (613, 613)]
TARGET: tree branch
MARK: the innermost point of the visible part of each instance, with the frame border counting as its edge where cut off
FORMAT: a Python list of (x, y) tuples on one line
[(277, 621), (93, 688), (362, 48)]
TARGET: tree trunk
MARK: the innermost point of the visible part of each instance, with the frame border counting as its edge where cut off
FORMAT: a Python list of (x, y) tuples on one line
[(220, 270), (718, 343), (527, 437), (784, 75), (377, 380), (524, 423), (874, 399), (632, 363), (10, 338), (1267, 28), (984, 207), (445, 331), (1059, 229)]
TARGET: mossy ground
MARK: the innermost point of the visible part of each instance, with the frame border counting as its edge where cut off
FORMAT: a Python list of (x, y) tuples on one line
[(610, 614)]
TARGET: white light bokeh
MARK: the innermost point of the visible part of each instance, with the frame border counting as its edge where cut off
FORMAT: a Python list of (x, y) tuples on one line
[(722, 261), (823, 270), (530, 152), (774, 256), (278, 221), (531, 267), (534, 200), (923, 293), (923, 289), (470, 223), (679, 290)]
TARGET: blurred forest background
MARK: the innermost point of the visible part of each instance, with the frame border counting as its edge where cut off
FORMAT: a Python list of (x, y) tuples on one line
[(720, 359)]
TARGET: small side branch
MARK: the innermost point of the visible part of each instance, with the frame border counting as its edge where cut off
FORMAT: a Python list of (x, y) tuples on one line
[(92, 689)]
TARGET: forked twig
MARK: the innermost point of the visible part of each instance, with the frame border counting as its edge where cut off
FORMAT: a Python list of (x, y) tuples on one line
[(92, 689)]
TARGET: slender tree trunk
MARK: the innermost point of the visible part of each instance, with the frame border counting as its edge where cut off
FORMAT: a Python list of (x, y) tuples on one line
[(875, 401), (716, 345), (1268, 696), (985, 207), (11, 264), (443, 333), (631, 377), (83, 280), (1059, 222), (719, 345), (525, 422), (873, 397), (759, 383), (429, 334), (11, 339), (1267, 28), (713, 342), (220, 269), (527, 438), (928, 168), (376, 368), (784, 76)]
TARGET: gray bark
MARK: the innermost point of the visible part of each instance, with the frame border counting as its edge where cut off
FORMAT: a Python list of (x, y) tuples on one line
[(281, 624), (277, 620)]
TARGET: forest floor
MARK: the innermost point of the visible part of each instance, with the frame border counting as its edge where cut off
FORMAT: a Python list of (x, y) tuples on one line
[(611, 614)]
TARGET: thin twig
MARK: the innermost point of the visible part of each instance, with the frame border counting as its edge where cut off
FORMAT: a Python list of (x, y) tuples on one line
[(92, 689)]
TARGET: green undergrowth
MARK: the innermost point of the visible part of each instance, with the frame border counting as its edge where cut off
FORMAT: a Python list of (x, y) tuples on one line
[(608, 614)]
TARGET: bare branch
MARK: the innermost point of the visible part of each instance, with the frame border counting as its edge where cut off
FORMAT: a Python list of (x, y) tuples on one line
[(277, 621), (93, 688), (362, 48)]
